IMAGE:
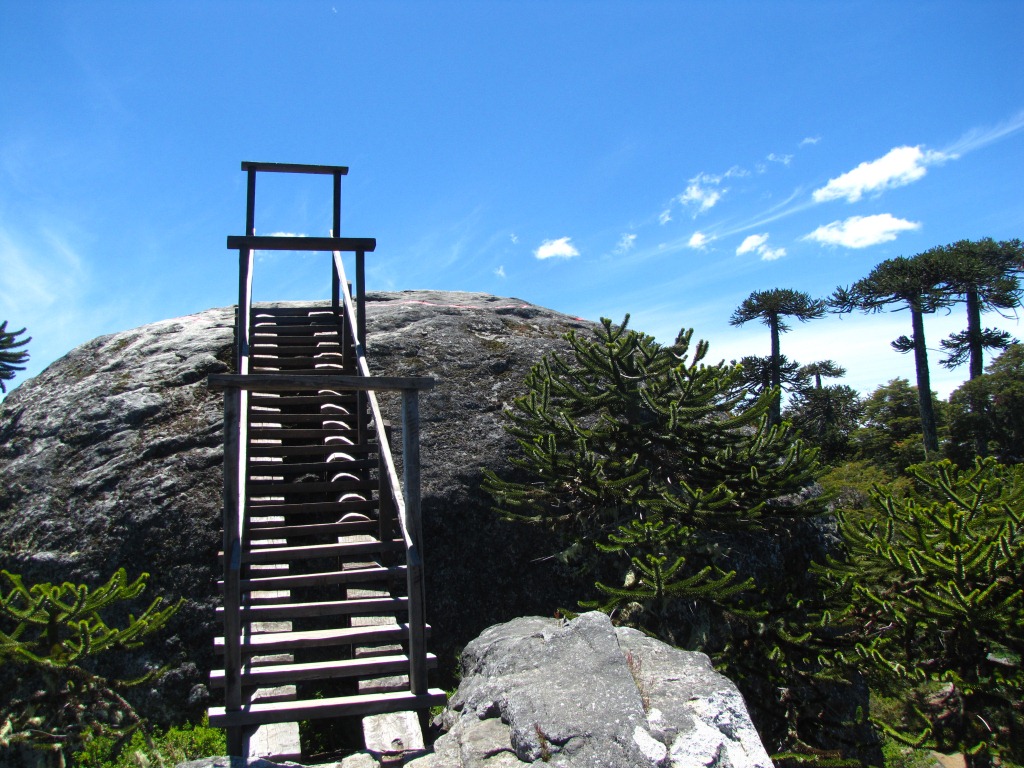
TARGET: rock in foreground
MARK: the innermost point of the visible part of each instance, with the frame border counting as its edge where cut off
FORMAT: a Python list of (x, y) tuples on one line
[(538, 691)]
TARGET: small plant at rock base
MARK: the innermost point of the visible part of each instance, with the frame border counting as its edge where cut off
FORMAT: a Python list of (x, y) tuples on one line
[(635, 664), (545, 745)]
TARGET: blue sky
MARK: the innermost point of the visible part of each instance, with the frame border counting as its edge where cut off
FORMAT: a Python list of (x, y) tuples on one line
[(664, 159)]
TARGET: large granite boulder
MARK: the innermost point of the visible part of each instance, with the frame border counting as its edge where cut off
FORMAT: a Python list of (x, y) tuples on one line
[(540, 691), (113, 457)]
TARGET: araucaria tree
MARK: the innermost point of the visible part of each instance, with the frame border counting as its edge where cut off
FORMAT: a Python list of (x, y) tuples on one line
[(903, 283), (770, 307), (935, 584), (12, 354), (985, 276), (634, 456), (51, 634)]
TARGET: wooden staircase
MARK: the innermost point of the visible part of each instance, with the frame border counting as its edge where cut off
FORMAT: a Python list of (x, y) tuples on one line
[(323, 578)]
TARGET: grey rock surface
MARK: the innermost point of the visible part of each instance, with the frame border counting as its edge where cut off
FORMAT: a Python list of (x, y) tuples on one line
[(542, 692), (113, 457)]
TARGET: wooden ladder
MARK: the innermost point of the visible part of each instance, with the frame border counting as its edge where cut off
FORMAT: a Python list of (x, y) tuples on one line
[(323, 574)]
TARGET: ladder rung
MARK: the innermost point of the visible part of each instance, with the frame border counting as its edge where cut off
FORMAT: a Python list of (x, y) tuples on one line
[(276, 674), (343, 706)]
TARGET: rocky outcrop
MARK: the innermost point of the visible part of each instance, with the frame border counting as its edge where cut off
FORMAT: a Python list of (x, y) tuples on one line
[(539, 691), (113, 457)]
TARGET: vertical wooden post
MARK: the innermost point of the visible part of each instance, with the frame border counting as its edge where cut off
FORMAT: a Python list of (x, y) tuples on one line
[(385, 499), (414, 567), (336, 232), (361, 419), (233, 498)]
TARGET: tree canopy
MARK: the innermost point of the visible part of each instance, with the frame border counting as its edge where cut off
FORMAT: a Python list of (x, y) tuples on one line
[(12, 354)]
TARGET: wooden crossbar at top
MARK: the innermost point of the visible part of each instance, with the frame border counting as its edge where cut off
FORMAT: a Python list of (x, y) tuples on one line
[(329, 170), (269, 243)]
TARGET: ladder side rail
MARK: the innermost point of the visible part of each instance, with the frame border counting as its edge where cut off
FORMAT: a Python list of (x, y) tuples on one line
[(406, 502), (234, 506)]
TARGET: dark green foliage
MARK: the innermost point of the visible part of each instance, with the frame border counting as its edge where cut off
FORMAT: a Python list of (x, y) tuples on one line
[(635, 457), (176, 745), (890, 435), (12, 354), (52, 633), (770, 307), (758, 373), (827, 417), (990, 409), (934, 589)]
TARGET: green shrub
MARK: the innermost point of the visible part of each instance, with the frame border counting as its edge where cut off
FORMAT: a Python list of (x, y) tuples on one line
[(176, 745)]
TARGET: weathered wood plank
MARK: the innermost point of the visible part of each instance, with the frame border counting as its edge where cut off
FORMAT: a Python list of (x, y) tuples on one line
[(273, 674), (271, 383), (249, 165), (343, 706), (315, 638), (327, 244), (275, 611), (360, 576)]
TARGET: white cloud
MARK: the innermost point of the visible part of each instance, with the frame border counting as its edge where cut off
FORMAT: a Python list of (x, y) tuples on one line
[(784, 159), (899, 167), (286, 234), (665, 216), (736, 173), (626, 243), (701, 194), (500, 271), (514, 238), (810, 140), (751, 243), (556, 249), (699, 241), (759, 244), (862, 231)]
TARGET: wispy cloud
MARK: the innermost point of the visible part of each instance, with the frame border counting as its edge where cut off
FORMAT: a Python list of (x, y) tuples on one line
[(759, 244), (783, 159), (979, 137), (699, 241), (561, 248), (810, 140), (500, 271), (862, 231), (514, 238), (702, 193), (665, 217), (898, 167), (626, 243)]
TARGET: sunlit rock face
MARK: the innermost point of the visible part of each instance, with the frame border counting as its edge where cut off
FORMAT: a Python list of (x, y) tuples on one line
[(113, 457)]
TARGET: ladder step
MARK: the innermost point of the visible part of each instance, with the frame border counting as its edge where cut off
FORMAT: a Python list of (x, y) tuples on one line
[(371, 606), (342, 398), (306, 468), (264, 417), (277, 531), (313, 551), (342, 706), (333, 359), (259, 487), (264, 450), (279, 433), (333, 507), (272, 642), (373, 575), (277, 674)]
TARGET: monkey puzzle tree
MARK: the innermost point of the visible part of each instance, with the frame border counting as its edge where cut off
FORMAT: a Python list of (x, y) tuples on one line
[(903, 283), (984, 274), (634, 455), (11, 354), (770, 307), (935, 580)]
